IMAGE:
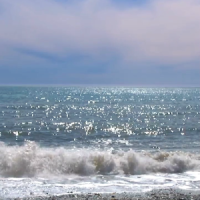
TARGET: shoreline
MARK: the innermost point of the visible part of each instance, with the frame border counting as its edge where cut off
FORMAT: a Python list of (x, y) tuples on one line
[(164, 194)]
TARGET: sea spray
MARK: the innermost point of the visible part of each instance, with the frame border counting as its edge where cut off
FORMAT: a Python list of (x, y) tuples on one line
[(32, 160)]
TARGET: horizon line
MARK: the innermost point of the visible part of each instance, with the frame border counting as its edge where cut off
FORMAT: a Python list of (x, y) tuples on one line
[(101, 85)]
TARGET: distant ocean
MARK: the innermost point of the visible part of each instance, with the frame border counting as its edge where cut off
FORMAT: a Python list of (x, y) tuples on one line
[(54, 140)]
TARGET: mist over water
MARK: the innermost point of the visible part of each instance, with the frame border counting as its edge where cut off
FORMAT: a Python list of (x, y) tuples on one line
[(106, 137)]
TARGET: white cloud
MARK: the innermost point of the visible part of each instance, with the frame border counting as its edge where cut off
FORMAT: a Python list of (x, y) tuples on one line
[(160, 32)]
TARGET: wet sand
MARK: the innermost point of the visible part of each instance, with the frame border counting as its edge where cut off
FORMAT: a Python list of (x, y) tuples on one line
[(164, 194)]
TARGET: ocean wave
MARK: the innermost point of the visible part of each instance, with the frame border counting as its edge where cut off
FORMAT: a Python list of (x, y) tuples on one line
[(31, 160)]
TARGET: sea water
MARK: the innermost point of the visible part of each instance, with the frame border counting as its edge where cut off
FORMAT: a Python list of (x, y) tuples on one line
[(56, 140)]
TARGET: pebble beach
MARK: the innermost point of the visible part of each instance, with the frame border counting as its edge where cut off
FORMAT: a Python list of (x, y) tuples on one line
[(164, 194)]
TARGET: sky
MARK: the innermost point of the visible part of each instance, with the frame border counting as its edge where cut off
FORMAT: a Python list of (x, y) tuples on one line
[(100, 42)]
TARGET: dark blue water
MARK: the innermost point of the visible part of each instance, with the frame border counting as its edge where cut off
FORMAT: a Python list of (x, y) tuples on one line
[(141, 118), (98, 139)]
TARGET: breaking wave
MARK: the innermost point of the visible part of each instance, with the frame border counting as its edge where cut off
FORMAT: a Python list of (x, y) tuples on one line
[(31, 160)]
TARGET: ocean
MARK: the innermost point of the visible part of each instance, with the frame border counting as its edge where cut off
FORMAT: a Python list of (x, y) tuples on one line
[(57, 140)]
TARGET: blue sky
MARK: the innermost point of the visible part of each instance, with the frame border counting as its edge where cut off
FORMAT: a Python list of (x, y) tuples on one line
[(112, 42)]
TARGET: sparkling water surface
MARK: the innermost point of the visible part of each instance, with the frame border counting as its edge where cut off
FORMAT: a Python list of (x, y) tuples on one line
[(90, 138)]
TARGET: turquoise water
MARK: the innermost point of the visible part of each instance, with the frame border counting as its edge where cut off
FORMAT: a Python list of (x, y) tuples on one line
[(99, 135)]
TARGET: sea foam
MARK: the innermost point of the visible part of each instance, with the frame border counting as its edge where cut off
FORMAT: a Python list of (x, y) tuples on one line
[(32, 160)]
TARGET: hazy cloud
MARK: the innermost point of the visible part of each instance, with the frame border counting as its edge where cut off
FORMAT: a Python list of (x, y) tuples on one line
[(158, 32)]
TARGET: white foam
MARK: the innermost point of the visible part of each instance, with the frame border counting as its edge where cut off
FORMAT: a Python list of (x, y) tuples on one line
[(24, 187), (31, 160)]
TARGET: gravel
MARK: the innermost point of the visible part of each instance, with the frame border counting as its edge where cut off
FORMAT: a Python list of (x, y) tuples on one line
[(164, 194)]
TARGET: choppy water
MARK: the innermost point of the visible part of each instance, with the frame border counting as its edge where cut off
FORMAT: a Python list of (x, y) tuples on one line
[(94, 139)]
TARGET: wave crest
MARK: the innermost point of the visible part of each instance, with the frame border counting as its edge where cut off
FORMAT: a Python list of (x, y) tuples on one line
[(31, 160)]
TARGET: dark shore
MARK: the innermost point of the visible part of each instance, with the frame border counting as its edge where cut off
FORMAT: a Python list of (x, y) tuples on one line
[(164, 194)]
